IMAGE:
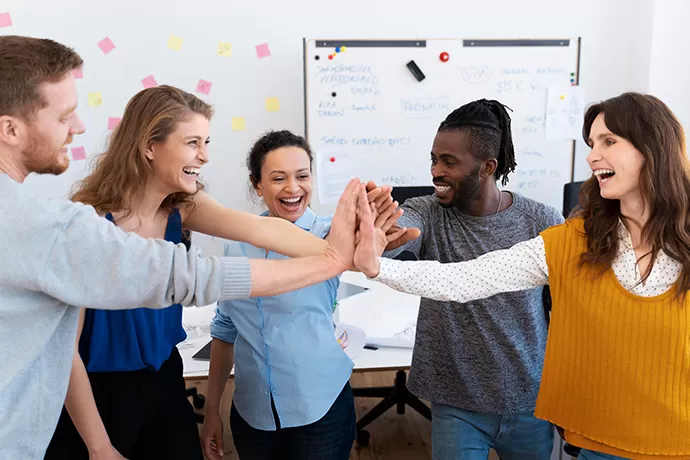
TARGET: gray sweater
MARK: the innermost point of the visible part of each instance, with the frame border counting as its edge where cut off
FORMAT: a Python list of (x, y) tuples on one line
[(59, 256), (486, 355)]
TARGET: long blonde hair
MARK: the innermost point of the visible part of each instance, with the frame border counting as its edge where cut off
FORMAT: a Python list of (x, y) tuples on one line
[(121, 172)]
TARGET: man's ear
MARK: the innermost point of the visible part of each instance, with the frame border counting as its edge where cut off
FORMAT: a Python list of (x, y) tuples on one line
[(10, 130), (488, 168)]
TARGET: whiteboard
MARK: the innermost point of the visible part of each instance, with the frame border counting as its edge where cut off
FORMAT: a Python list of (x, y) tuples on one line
[(368, 116)]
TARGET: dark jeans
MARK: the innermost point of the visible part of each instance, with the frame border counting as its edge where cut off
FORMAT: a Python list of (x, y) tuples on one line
[(146, 414), (329, 438)]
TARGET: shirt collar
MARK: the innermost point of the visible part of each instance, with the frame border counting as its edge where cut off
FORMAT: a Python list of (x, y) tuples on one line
[(306, 220), (624, 238)]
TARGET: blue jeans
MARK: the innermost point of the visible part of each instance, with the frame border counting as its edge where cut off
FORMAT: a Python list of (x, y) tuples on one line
[(329, 438), (591, 455), (457, 434)]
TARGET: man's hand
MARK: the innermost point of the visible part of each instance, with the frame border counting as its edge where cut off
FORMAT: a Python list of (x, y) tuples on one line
[(212, 436), (395, 234)]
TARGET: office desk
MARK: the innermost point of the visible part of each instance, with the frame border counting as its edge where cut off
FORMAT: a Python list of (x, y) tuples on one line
[(379, 311)]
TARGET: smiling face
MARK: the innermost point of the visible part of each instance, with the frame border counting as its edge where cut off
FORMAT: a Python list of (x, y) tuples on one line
[(51, 128), (177, 160), (455, 171), (286, 182), (614, 161)]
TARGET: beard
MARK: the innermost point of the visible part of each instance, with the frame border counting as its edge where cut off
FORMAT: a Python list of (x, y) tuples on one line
[(465, 191), (43, 157)]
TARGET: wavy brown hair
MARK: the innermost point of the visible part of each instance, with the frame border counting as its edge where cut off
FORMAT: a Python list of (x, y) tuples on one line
[(121, 172), (664, 183)]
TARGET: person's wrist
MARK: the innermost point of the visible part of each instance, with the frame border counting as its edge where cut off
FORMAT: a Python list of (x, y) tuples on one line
[(373, 269), (100, 446)]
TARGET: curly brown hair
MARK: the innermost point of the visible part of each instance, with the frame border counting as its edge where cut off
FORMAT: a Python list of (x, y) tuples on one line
[(121, 172), (664, 182)]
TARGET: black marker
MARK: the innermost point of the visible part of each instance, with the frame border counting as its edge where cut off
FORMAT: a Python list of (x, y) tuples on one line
[(414, 68)]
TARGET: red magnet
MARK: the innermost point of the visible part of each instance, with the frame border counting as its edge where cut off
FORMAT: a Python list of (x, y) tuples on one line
[(444, 57), (332, 159), (330, 56)]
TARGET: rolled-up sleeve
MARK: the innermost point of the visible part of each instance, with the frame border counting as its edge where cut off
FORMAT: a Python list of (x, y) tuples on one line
[(222, 327)]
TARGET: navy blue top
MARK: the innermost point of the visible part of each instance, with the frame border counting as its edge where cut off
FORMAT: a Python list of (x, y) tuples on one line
[(129, 340)]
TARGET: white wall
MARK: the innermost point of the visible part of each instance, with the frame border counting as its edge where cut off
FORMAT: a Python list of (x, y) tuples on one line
[(615, 55), (669, 69)]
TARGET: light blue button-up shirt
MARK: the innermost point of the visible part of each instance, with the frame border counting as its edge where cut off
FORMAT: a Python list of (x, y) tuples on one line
[(284, 346)]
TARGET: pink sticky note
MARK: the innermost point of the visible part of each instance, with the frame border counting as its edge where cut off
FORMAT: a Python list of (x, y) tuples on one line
[(5, 20), (204, 86), (78, 153), (106, 45), (78, 73), (262, 50), (149, 82), (112, 122)]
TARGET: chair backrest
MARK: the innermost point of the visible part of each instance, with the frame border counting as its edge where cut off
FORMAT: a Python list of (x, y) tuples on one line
[(400, 194), (571, 197)]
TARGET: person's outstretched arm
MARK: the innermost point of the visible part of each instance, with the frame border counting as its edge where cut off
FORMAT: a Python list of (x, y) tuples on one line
[(83, 260), (210, 217), (521, 267)]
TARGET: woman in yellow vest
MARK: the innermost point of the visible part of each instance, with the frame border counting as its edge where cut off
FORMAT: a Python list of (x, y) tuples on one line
[(616, 374)]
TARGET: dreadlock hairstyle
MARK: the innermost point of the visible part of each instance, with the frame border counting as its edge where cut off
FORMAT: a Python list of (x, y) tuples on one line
[(488, 126)]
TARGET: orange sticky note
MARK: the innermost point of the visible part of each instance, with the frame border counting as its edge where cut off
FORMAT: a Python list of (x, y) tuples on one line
[(272, 104)]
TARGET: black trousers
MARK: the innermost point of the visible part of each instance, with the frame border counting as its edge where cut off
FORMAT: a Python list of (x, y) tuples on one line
[(329, 438), (146, 414)]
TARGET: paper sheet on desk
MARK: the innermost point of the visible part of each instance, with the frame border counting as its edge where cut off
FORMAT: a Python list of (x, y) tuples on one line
[(402, 339), (196, 322), (565, 112), (351, 339)]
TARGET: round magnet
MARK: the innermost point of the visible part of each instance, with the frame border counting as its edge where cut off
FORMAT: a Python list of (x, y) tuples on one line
[(333, 94), (337, 49), (444, 57), (330, 56), (332, 159), (343, 49)]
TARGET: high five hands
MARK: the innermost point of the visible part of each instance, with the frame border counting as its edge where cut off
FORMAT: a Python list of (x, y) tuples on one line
[(364, 225)]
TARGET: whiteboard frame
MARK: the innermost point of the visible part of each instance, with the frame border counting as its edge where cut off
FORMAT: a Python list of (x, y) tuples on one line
[(410, 42)]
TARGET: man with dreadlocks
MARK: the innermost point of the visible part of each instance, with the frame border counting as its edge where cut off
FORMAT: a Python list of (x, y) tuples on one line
[(479, 365)]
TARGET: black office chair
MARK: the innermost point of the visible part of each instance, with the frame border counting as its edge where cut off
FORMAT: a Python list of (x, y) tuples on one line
[(397, 395), (571, 198)]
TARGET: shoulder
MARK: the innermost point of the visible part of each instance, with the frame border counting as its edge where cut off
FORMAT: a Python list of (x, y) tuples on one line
[(572, 226), (422, 205), (543, 215)]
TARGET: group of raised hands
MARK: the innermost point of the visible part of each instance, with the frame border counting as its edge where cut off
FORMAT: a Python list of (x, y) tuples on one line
[(364, 225)]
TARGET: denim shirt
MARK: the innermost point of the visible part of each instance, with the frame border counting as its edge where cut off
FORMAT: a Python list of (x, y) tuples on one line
[(285, 346)]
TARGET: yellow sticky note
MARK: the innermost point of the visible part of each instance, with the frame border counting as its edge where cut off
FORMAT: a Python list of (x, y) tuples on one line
[(95, 99), (238, 124), (175, 43), (272, 104), (224, 49)]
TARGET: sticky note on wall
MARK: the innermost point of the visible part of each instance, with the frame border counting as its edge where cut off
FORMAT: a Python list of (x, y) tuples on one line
[(272, 104), (175, 43), (149, 82), (106, 45), (78, 153), (224, 49), (262, 51), (78, 73), (113, 122), (95, 99), (5, 20), (203, 87), (238, 124)]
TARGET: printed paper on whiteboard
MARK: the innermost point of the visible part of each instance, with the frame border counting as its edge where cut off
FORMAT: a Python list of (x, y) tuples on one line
[(565, 109), (333, 172)]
